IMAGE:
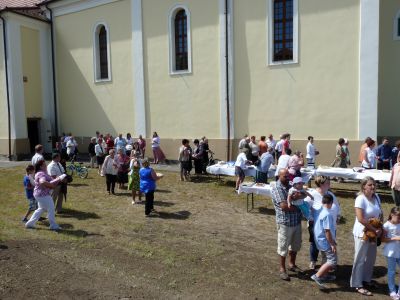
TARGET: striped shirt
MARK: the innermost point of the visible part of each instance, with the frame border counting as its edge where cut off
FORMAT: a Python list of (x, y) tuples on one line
[(287, 218)]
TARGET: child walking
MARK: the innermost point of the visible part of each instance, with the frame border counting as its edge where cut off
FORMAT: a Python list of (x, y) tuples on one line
[(29, 184), (391, 250), (325, 239), (299, 202)]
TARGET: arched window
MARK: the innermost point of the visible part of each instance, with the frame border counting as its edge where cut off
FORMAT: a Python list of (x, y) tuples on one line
[(396, 27), (101, 51), (180, 50), (283, 31)]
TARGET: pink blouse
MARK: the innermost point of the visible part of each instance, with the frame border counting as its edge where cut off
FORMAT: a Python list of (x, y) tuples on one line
[(40, 190), (395, 177)]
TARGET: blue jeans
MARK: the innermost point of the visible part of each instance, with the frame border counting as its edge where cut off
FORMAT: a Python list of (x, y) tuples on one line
[(392, 262), (313, 247)]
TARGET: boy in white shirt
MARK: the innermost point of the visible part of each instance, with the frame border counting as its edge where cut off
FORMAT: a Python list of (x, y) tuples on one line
[(240, 165)]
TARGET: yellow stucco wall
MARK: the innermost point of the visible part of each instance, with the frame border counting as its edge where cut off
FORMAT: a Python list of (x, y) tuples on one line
[(30, 55), (389, 72), (3, 94), (182, 105), (319, 95), (85, 106)]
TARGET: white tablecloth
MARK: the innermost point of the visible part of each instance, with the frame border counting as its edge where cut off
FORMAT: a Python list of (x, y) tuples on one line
[(352, 174), (252, 188), (229, 170)]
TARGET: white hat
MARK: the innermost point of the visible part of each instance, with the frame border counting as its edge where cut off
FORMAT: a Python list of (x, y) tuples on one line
[(297, 180), (128, 147)]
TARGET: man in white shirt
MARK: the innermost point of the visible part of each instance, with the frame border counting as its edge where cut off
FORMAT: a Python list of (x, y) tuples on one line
[(38, 154), (55, 169), (283, 162), (71, 147), (245, 140), (279, 148), (255, 150), (240, 165), (311, 152)]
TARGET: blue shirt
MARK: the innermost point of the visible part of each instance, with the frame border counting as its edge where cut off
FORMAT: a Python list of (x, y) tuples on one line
[(28, 187), (384, 152), (266, 161), (147, 183), (323, 222)]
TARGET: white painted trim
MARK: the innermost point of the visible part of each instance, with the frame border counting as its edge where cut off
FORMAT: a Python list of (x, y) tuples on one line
[(270, 35), (16, 87), (96, 53), (369, 67), (223, 84), (171, 34), (72, 6), (138, 68), (396, 34)]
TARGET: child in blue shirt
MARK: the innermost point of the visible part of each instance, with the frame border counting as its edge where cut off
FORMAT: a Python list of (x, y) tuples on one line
[(29, 184), (325, 239)]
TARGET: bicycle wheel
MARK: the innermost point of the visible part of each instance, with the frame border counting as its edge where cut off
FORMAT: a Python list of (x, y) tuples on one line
[(83, 172), (70, 170)]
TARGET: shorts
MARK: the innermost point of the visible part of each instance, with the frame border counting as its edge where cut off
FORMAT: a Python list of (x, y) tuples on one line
[(100, 160), (329, 257), (289, 238), (33, 205), (239, 172)]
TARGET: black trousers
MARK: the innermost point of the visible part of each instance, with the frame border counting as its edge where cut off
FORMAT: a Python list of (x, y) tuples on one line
[(149, 204), (110, 181), (383, 165)]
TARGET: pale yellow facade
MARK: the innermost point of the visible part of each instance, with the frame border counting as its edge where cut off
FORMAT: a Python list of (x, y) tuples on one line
[(316, 96), (182, 105), (85, 106), (3, 98), (389, 66), (30, 52)]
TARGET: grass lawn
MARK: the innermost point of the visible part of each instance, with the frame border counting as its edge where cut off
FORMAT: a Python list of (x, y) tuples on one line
[(204, 245)]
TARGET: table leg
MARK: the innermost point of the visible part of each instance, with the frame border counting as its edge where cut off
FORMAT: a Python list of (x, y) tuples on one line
[(248, 201)]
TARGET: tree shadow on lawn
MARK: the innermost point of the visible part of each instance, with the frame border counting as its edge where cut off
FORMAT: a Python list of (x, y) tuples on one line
[(342, 281), (80, 215), (180, 215), (204, 178)]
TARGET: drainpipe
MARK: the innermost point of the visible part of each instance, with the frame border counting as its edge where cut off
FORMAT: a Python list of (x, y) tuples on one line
[(7, 87), (228, 118), (54, 72)]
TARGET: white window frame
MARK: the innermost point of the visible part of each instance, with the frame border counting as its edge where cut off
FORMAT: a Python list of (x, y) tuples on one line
[(396, 33), (171, 29), (96, 53), (270, 35)]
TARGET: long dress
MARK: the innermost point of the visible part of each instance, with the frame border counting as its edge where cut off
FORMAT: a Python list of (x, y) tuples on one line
[(134, 178)]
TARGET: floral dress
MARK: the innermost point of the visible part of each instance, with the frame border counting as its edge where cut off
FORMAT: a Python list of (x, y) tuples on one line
[(134, 178)]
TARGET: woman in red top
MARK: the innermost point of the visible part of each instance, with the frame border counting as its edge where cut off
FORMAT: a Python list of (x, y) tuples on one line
[(109, 142)]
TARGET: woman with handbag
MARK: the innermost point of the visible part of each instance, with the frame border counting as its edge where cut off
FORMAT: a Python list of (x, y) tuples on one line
[(367, 207)]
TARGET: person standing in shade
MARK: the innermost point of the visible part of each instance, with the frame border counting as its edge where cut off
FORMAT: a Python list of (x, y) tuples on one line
[(55, 169), (142, 145), (92, 152), (38, 154), (383, 155), (110, 171), (100, 153), (148, 178), (288, 223), (197, 157)]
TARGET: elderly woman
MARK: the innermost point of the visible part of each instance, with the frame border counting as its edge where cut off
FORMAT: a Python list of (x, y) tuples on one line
[(367, 206), (122, 161), (369, 159), (340, 156), (44, 183), (295, 163), (100, 151), (148, 178), (157, 152), (110, 171), (323, 185), (142, 145)]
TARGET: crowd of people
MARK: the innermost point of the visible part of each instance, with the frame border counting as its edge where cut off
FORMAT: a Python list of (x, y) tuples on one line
[(122, 160)]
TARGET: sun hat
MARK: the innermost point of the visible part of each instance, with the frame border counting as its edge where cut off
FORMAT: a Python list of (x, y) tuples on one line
[(297, 180)]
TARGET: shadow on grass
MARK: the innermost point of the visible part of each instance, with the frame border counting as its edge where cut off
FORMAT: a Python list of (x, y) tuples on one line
[(203, 178), (157, 203), (180, 215), (3, 247), (68, 229), (266, 211), (163, 191), (80, 215)]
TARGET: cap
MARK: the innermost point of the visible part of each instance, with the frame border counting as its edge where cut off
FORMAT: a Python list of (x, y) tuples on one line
[(297, 180)]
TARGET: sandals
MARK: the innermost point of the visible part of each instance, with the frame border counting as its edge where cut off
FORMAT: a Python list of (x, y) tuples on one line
[(363, 291)]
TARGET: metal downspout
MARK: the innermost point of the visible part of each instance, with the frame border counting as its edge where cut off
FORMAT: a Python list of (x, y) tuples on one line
[(54, 73), (228, 118), (7, 87)]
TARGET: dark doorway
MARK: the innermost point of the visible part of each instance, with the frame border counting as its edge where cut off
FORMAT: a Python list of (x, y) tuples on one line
[(33, 133)]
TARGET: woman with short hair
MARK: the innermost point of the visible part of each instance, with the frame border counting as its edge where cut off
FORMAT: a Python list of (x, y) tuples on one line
[(148, 178), (110, 171), (369, 159)]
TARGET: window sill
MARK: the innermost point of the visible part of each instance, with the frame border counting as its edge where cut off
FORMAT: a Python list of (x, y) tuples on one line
[(175, 73), (285, 62), (102, 80)]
